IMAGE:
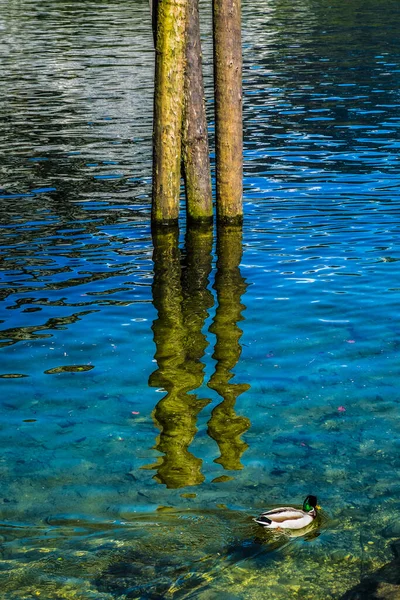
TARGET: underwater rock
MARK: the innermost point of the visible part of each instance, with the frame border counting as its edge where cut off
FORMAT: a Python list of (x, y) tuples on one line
[(384, 584), (392, 530)]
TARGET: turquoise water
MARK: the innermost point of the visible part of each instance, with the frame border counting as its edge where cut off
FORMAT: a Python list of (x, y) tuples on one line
[(157, 393)]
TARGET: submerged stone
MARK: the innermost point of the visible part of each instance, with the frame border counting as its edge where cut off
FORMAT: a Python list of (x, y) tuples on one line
[(383, 584)]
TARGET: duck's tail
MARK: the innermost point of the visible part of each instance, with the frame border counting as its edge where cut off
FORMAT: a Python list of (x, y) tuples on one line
[(263, 520)]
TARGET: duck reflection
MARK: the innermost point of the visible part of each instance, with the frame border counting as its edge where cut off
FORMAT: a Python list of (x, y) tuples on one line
[(182, 300), (225, 426)]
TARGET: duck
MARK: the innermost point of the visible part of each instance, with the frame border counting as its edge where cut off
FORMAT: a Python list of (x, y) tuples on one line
[(287, 517)]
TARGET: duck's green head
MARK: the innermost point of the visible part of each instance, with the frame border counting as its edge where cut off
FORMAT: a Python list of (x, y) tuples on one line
[(310, 504)]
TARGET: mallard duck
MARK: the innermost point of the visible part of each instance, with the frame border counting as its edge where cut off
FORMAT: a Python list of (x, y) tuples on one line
[(288, 517)]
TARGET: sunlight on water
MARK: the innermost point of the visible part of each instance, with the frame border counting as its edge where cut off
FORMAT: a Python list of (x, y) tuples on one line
[(158, 392)]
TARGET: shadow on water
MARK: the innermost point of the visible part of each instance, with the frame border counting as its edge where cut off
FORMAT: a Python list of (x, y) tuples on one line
[(182, 300)]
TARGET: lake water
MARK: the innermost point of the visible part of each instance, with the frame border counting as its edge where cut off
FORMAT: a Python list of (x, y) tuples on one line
[(151, 409)]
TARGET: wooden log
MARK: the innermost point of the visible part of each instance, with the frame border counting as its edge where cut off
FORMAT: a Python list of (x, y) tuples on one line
[(196, 157), (228, 110), (168, 109)]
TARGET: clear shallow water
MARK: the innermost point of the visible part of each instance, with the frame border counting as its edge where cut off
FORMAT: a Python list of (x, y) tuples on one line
[(211, 389)]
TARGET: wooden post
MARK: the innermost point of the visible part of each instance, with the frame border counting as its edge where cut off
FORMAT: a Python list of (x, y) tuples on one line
[(196, 158), (168, 108), (228, 109)]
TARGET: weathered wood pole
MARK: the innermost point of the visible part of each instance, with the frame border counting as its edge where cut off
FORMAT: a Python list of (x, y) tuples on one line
[(168, 109), (196, 156), (228, 109)]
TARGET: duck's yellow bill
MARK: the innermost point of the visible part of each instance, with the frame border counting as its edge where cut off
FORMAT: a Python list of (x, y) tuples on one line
[(318, 507)]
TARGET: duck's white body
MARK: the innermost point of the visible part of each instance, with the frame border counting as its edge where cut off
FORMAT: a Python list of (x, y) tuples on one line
[(286, 518)]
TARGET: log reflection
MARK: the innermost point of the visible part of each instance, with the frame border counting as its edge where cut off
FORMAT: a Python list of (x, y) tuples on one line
[(225, 426), (182, 301)]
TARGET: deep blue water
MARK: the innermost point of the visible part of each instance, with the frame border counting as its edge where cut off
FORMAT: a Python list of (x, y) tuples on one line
[(157, 393)]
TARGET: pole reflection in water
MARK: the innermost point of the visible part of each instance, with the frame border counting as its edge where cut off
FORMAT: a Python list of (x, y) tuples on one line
[(225, 426), (182, 301)]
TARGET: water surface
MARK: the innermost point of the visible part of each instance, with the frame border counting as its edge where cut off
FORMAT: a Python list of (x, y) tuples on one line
[(158, 393)]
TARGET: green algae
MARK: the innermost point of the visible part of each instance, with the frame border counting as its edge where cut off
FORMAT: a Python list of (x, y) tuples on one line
[(12, 376), (69, 369)]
